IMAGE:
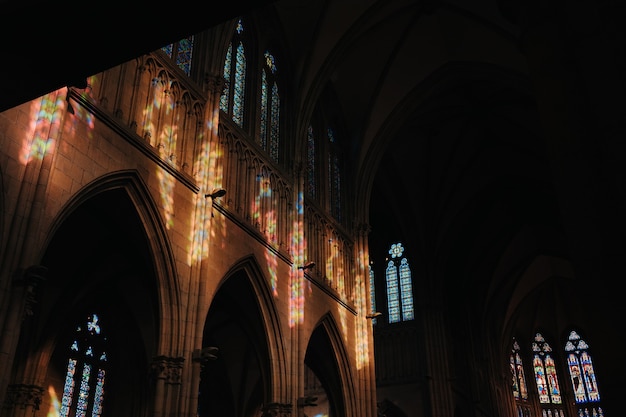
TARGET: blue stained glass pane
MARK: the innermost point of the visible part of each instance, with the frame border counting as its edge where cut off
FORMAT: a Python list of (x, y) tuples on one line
[(406, 290), (98, 395), (372, 292), (83, 395), (393, 299), (311, 162), (183, 57), (264, 98), (240, 82), (168, 49), (68, 389), (275, 124), (225, 98)]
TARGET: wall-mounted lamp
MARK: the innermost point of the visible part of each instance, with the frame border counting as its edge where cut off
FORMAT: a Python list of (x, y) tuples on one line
[(205, 354), (218, 192), (308, 265), (374, 315), (307, 401)]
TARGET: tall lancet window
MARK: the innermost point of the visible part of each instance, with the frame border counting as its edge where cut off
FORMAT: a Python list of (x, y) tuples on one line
[(399, 285), (311, 170), (233, 95), (269, 129), (334, 175), (180, 53), (583, 377), (546, 378), (520, 389), (372, 283), (83, 392)]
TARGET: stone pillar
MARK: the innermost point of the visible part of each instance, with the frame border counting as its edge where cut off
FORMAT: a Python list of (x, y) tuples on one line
[(20, 306), (166, 372), (437, 360), (203, 216), (27, 210)]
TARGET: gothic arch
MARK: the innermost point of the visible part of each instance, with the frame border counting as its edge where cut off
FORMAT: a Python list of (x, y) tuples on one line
[(100, 257), (128, 186), (242, 323), (326, 356)]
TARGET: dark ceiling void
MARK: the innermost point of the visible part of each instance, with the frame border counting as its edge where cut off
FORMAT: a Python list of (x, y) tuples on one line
[(50, 45)]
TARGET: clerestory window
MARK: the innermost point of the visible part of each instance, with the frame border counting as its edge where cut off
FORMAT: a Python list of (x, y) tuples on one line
[(235, 67), (181, 53), (399, 285)]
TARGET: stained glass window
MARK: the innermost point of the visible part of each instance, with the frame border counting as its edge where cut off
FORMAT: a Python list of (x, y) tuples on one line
[(334, 175), (372, 293), (310, 162), (85, 374), (233, 95), (520, 390), (399, 285), (519, 387), (583, 376), (181, 53), (546, 379), (269, 129)]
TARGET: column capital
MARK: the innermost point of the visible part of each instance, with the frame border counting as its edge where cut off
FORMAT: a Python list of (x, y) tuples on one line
[(214, 83), (276, 410), (24, 396), (168, 369)]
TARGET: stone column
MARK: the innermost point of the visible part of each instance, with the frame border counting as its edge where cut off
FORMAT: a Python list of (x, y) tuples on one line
[(28, 201), (166, 372), (197, 298)]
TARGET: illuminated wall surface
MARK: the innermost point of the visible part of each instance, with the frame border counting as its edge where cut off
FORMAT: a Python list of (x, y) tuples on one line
[(217, 158)]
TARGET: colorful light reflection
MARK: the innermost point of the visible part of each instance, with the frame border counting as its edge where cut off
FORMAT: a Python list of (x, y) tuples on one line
[(46, 115), (55, 404)]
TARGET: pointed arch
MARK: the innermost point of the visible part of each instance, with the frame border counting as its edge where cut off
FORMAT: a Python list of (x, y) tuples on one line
[(327, 358), (243, 311), (101, 257), (130, 185)]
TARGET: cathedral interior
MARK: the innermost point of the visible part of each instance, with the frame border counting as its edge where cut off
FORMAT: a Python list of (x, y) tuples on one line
[(450, 246)]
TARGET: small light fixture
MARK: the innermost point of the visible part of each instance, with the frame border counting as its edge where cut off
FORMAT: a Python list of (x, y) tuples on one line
[(308, 265), (205, 354), (218, 192), (308, 401), (374, 315)]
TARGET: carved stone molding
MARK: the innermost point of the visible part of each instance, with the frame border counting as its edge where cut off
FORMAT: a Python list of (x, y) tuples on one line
[(276, 410), (167, 369), (23, 396)]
